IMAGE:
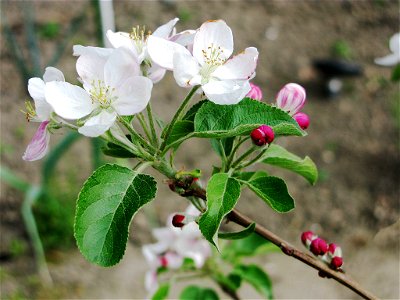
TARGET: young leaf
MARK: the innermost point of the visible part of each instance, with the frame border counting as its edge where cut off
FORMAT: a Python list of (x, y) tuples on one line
[(227, 145), (222, 194), (279, 156), (105, 207), (239, 234), (193, 292), (219, 121), (162, 292), (273, 191), (247, 176), (248, 246), (255, 277)]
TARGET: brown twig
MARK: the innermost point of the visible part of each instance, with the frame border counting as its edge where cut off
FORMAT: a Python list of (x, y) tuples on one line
[(242, 220)]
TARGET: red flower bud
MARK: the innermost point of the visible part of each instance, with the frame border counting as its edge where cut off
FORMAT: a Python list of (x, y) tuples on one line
[(164, 261), (307, 237), (262, 135), (319, 246), (336, 262), (334, 250), (302, 119), (177, 220)]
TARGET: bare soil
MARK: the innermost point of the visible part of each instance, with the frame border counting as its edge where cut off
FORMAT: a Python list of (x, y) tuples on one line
[(353, 139)]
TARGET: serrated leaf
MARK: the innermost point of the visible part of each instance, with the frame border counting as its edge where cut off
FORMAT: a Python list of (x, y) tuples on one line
[(219, 121), (256, 277), (273, 191), (181, 129), (279, 156), (162, 292), (191, 113), (222, 194), (239, 234), (105, 207), (193, 292)]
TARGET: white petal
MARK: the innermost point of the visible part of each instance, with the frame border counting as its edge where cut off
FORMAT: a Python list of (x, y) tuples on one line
[(184, 38), (185, 69), (79, 50), (53, 74), (133, 95), (162, 51), (156, 73), (150, 281), (68, 101), (213, 34), (166, 235), (174, 260), (394, 43), (121, 39), (227, 91), (120, 66), (164, 31), (241, 66), (39, 145), (36, 88), (388, 60), (90, 64), (98, 124)]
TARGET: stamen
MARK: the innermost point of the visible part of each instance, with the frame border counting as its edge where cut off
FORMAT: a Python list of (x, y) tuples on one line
[(30, 112), (102, 94), (214, 55)]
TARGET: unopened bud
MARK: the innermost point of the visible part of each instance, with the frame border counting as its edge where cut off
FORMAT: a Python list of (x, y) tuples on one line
[(302, 119), (255, 92), (291, 98), (307, 237), (319, 246), (178, 220), (334, 250), (336, 262), (262, 135)]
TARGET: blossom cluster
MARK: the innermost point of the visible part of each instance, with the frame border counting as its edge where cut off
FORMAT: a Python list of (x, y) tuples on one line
[(330, 253), (118, 81)]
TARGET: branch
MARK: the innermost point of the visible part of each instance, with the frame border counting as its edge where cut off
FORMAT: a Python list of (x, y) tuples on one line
[(242, 220)]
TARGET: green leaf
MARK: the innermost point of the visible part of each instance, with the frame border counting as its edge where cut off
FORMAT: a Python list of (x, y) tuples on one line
[(191, 113), (193, 292), (255, 277), (162, 292), (105, 207), (238, 235), (273, 191), (396, 73), (227, 145), (279, 156), (222, 194), (181, 129), (247, 246), (218, 121), (247, 176)]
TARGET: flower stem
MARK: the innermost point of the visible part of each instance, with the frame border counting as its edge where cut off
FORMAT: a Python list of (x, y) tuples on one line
[(254, 160), (142, 122), (151, 122), (244, 156), (177, 116), (233, 152)]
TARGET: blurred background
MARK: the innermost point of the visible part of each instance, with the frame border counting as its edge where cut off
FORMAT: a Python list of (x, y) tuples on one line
[(353, 138)]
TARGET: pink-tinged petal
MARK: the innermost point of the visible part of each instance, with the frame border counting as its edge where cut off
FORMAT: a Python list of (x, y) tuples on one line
[(156, 73), (173, 260), (186, 68), (53, 74), (184, 38), (120, 65), (226, 92), (239, 67), (79, 50), (162, 51), (98, 124), (36, 88), (164, 31), (214, 34), (255, 92), (39, 145), (291, 98), (68, 101), (133, 95)]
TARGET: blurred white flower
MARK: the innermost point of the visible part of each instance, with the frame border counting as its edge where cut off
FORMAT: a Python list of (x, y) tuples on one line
[(394, 57), (39, 145), (112, 86), (173, 246), (224, 80)]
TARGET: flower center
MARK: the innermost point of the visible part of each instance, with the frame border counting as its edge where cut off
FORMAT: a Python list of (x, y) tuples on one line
[(102, 94), (213, 58), (30, 112), (139, 36)]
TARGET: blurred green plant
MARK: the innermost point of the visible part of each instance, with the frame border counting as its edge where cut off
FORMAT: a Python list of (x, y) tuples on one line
[(341, 49), (49, 30)]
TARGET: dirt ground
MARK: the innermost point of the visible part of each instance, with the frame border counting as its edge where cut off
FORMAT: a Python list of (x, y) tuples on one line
[(353, 139)]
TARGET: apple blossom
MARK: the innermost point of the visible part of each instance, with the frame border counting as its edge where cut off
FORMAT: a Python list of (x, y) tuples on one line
[(223, 80), (255, 92), (291, 98), (112, 86), (318, 246), (394, 57), (302, 119), (38, 147), (262, 135)]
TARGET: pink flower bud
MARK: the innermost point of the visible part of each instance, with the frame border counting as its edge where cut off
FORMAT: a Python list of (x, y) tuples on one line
[(307, 237), (39, 144), (302, 119), (255, 92), (336, 262), (164, 261), (178, 220), (262, 135), (318, 246), (291, 98), (334, 250)]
